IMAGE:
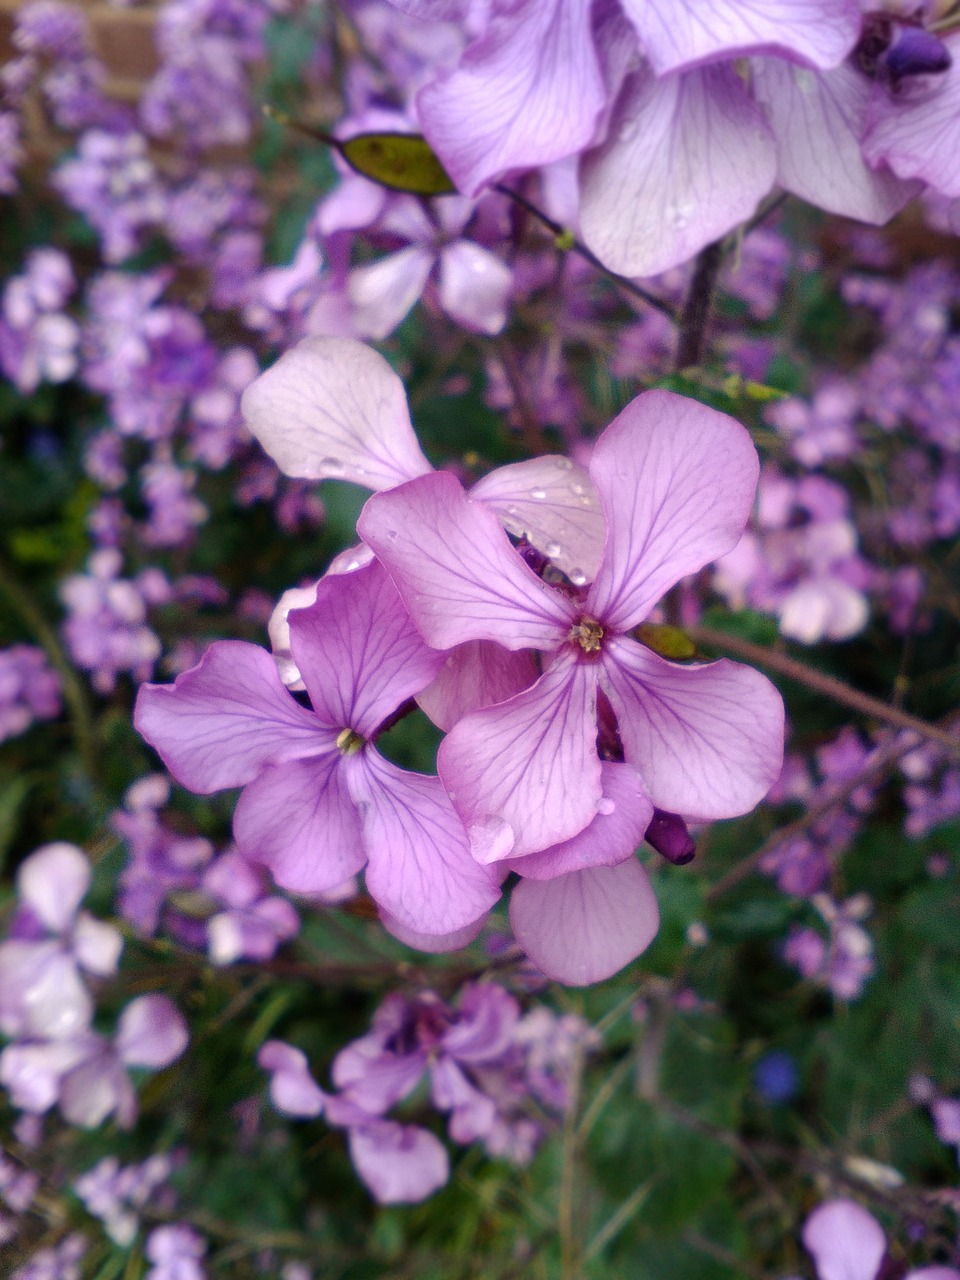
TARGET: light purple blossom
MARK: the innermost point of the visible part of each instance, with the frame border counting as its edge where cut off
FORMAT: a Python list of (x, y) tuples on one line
[(38, 342), (845, 962), (29, 689), (847, 1243), (175, 1252)]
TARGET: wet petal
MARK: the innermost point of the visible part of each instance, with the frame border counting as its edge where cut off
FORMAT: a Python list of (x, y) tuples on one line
[(358, 652), (456, 571), (707, 738), (846, 1242), (687, 159), (420, 869), (298, 819), (677, 481), (553, 503), (400, 1164), (585, 926), (332, 408), (614, 835), (220, 722), (819, 33), (524, 774), (527, 92), (474, 675), (805, 108)]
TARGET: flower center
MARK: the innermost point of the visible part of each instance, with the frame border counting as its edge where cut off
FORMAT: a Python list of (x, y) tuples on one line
[(588, 634), (349, 742)]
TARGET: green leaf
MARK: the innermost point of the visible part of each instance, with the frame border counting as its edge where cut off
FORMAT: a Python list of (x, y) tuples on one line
[(400, 161)]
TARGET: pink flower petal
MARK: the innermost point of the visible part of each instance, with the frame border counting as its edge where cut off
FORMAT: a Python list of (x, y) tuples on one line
[(804, 108), (474, 675), (53, 882), (433, 943), (475, 287), (585, 926), (819, 33), (332, 408), (220, 722), (846, 1242), (382, 292), (358, 652), (151, 1032), (707, 738), (677, 480), (456, 571), (687, 159), (614, 835), (552, 502), (524, 775), (527, 92), (420, 869), (918, 136), (400, 1164), (298, 819), (293, 1089)]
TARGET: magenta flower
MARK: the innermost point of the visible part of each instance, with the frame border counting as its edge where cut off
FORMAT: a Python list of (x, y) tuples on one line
[(319, 801), (847, 1243), (676, 481)]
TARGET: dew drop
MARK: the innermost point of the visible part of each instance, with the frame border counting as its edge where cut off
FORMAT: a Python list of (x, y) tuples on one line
[(577, 577), (552, 549), (392, 535), (564, 464), (351, 565), (577, 489), (606, 806), (538, 494), (333, 466), (586, 501)]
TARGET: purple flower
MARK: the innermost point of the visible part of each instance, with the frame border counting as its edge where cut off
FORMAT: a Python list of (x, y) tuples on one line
[(319, 801), (29, 689), (175, 1251), (847, 1243)]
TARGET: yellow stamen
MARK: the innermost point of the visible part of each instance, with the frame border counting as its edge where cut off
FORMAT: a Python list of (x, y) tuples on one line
[(349, 742)]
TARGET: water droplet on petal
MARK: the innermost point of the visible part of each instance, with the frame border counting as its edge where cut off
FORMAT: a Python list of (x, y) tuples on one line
[(538, 494), (577, 577), (606, 806), (552, 549), (563, 464), (576, 489), (333, 466), (392, 535)]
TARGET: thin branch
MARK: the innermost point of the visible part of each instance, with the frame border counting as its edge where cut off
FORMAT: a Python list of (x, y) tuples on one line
[(829, 686), (567, 240), (698, 306)]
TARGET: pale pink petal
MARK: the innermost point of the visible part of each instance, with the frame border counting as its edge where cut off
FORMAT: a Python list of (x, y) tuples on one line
[(804, 109), (707, 738), (527, 92), (53, 882), (41, 992), (298, 819), (152, 1032), (382, 292), (585, 926), (524, 775), (332, 408), (677, 481), (819, 33), (220, 722), (400, 1164), (32, 1072), (475, 675), (614, 835), (475, 287), (358, 652), (96, 945), (687, 159), (420, 869), (455, 568), (552, 502), (918, 135), (293, 1089), (846, 1242), (434, 943)]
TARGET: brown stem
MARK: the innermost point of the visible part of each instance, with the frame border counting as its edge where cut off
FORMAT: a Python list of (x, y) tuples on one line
[(697, 307), (829, 686)]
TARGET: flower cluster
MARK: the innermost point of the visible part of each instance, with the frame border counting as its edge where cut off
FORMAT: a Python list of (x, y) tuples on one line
[(568, 737), (496, 1074)]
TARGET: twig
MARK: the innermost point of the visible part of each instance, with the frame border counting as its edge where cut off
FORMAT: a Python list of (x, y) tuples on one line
[(567, 240), (829, 686), (697, 306)]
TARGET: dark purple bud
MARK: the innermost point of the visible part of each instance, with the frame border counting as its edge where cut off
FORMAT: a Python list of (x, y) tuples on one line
[(915, 52), (668, 834)]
